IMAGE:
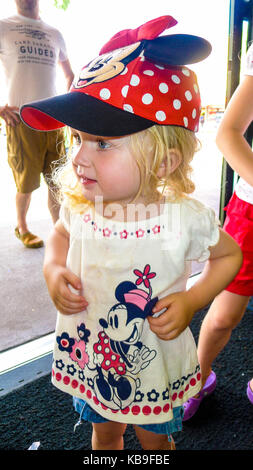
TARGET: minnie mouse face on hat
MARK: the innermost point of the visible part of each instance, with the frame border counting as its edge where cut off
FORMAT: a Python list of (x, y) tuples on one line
[(138, 80), (107, 66), (121, 49)]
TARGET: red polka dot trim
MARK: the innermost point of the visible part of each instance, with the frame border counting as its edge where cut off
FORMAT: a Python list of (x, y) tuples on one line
[(74, 384), (135, 409), (89, 394), (66, 380), (82, 388), (157, 410), (166, 408)]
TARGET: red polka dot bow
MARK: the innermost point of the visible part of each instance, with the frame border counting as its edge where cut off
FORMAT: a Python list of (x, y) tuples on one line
[(149, 30)]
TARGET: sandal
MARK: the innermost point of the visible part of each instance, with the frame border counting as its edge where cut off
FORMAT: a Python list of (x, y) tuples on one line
[(249, 393), (29, 240), (192, 405)]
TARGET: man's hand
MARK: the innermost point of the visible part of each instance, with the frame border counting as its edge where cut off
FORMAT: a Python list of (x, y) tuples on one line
[(174, 319), (10, 114)]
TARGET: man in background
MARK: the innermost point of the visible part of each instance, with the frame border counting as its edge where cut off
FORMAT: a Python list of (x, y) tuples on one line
[(30, 51)]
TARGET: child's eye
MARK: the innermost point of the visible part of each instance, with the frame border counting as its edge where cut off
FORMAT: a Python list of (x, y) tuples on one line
[(103, 144), (76, 139)]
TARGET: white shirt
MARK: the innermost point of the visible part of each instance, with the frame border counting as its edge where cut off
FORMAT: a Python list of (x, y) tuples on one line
[(107, 354), (243, 189), (30, 51)]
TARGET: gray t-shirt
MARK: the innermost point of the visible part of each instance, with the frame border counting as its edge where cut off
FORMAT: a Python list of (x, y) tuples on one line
[(30, 51)]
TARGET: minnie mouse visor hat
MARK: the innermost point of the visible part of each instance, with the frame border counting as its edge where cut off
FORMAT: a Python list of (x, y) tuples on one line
[(138, 80)]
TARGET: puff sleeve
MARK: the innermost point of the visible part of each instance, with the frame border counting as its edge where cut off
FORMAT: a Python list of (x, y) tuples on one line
[(203, 231), (64, 217)]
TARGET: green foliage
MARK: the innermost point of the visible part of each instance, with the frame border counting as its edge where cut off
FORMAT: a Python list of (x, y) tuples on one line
[(62, 4)]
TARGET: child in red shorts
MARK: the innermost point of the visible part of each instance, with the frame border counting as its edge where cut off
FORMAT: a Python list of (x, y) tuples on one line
[(228, 307)]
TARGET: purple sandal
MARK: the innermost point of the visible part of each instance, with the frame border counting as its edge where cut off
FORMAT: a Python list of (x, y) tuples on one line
[(192, 405), (249, 393)]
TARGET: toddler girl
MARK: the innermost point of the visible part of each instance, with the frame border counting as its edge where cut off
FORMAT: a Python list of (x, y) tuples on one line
[(118, 259)]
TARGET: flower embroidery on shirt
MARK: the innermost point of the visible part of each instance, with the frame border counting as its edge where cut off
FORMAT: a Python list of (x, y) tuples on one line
[(87, 218), (123, 234), (75, 348), (140, 233), (107, 232), (152, 395), (79, 354), (156, 229), (144, 277), (65, 343)]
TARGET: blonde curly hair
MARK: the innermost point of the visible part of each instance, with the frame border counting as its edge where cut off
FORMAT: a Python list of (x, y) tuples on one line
[(156, 141)]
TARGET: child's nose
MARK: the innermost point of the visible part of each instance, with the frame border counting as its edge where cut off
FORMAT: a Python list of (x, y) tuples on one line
[(81, 159)]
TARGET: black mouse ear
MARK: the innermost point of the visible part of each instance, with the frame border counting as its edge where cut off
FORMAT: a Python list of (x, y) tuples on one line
[(177, 49), (149, 307), (122, 289)]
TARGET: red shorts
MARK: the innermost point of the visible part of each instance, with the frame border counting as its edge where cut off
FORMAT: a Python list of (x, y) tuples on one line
[(239, 224)]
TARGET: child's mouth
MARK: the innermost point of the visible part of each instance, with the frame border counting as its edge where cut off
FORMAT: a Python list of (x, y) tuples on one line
[(86, 181)]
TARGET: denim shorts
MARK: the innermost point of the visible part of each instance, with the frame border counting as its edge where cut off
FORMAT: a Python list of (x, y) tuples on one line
[(88, 414)]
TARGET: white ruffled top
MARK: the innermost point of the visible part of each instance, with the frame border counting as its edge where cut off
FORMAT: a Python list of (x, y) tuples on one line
[(107, 355)]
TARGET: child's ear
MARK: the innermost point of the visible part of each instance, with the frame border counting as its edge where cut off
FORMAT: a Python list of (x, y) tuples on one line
[(175, 159)]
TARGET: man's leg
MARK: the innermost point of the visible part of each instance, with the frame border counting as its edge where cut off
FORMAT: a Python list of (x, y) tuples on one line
[(22, 233), (21, 150), (22, 205)]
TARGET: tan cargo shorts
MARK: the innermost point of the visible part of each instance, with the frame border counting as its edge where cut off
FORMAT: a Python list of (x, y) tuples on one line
[(32, 153)]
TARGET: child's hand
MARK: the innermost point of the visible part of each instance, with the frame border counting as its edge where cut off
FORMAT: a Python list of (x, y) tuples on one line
[(174, 319), (59, 282)]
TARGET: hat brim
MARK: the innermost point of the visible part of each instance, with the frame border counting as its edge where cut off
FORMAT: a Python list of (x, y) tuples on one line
[(84, 113)]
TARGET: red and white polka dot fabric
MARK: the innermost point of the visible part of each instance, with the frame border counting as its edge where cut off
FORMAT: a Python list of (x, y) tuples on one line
[(110, 360), (163, 94)]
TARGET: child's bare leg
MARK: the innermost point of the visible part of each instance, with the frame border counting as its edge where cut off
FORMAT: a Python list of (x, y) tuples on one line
[(108, 436), (224, 314), (152, 441)]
